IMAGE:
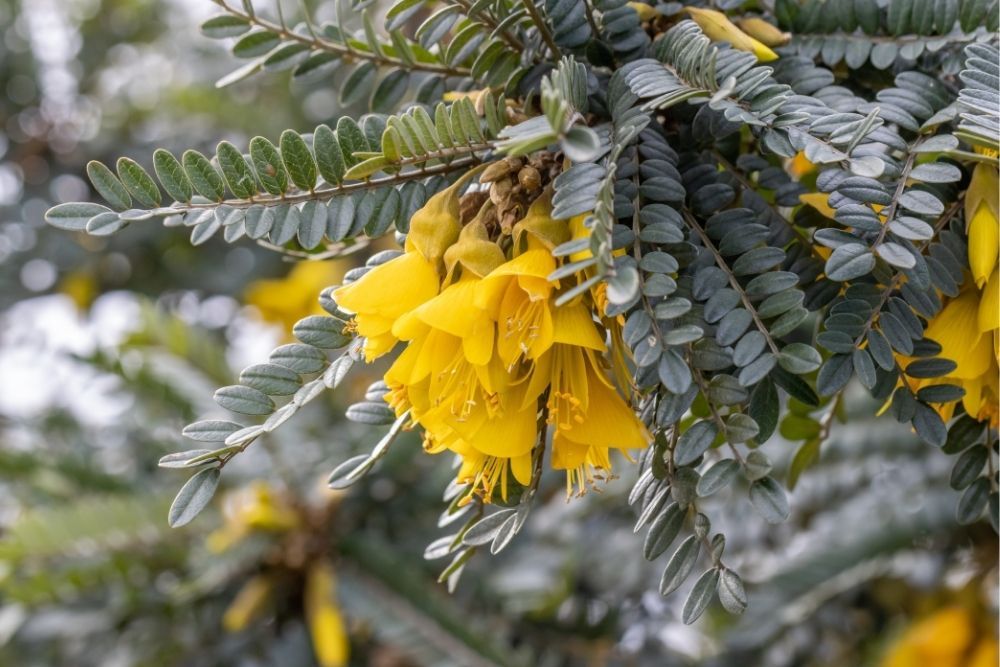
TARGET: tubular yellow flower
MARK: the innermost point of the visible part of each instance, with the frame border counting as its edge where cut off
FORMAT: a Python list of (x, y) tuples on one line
[(719, 28), (516, 295), (588, 415), (389, 291)]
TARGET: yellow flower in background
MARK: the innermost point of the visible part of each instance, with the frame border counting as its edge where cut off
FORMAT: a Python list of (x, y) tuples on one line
[(947, 638), (249, 603), (719, 28), (256, 508), (80, 286), (259, 509), (287, 300), (326, 625)]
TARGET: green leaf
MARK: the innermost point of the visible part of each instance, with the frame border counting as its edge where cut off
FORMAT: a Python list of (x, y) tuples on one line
[(769, 499), (663, 531), (370, 412), (193, 497), (694, 442), (236, 170), (805, 456), (188, 459), (108, 185), (224, 25), (73, 216), (700, 596), (207, 181), (732, 594), (321, 331), (799, 358), (973, 501), (172, 175), (680, 565), (299, 358), (968, 467), (272, 379), (139, 183), (268, 165), (210, 430), (244, 400), (850, 261), (298, 160), (357, 84), (717, 477), (329, 156), (255, 43)]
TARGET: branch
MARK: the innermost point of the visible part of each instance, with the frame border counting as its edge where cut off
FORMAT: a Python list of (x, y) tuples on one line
[(319, 44), (696, 228)]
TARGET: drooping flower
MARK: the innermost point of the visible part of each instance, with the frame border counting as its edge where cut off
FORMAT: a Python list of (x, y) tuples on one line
[(390, 290), (588, 415), (490, 352)]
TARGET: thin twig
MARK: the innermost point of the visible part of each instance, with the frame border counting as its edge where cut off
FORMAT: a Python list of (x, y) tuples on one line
[(721, 262), (543, 28), (344, 49)]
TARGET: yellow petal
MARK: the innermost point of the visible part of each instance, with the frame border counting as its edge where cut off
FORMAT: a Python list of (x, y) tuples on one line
[(248, 604), (984, 238), (543, 232), (326, 626), (573, 324), (719, 28), (521, 467), (989, 304), (764, 32), (436, 226), (956, 329), (819, 201), (474, 251)]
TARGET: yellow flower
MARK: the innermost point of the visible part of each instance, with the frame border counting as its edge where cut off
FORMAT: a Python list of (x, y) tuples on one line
[(516, 296), (588, 415), (390, 290), (386, 293), (719, 28), (943, 639), (326, 625), (490, 351), (255, 508), (249, 603), (982, 216), (287, 300)]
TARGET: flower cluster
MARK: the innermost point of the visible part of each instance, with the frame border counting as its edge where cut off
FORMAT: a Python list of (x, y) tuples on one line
[(491, 364)]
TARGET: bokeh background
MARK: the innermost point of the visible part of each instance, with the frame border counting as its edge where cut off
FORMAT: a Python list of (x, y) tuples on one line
[(109, 346)]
